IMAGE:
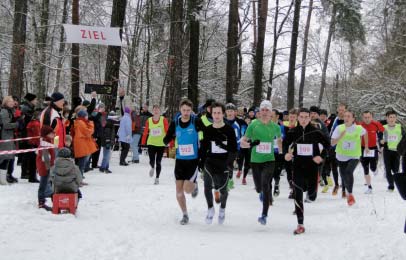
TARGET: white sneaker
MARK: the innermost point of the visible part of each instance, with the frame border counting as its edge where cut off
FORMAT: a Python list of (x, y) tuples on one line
[(156, 182), (210, 215), (151, 172), (368, 191), (222, 215)]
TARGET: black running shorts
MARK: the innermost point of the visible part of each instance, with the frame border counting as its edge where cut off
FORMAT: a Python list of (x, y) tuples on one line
[(186, 170)]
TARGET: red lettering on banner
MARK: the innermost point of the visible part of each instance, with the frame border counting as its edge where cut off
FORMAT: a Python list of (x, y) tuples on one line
[(96, 35), (102, 36), (88, 34), (83, 34)]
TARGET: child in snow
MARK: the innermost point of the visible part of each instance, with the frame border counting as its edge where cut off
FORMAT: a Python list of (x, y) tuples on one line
[(66, 176), (44, 161)]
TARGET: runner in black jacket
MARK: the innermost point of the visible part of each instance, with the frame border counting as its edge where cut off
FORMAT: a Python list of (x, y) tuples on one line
[(302, 145)]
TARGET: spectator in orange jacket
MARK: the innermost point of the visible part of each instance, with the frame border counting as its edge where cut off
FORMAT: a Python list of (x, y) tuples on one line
[(83, 143)]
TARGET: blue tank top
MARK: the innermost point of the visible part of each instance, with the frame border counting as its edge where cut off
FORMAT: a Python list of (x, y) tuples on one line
[(187, 141)]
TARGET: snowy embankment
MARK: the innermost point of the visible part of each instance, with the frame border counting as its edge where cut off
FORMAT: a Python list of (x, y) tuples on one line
[(124, 216)]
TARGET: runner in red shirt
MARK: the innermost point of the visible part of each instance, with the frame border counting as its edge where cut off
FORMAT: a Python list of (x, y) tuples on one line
[(369, 160)]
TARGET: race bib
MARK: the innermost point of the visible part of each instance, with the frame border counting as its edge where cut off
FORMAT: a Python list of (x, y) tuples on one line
[(264, 148), (186, 149), (305, 149), (392, 138), (156, 132), (370, 153), (348, 145), (217, 149)]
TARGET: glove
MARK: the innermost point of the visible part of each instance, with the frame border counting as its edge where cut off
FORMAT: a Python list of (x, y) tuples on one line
[(254, 143), (200, 165)]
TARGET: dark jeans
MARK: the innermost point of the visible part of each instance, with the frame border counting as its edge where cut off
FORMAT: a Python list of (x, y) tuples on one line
[(391, 160), (263, 173), (95, 155), (44, 190), (155, 154), (305, 177), (215, 176), (347, 173), (369, 162), (82, 162), (125, 147), (28, 166)]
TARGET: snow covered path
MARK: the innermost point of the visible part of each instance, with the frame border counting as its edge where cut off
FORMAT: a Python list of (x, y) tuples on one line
[(124, 216)]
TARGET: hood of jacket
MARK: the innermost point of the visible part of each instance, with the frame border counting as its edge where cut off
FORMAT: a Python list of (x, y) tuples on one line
[(64, 166)]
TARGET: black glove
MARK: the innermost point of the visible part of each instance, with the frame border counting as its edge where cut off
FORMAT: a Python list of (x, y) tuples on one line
[(254, 143)]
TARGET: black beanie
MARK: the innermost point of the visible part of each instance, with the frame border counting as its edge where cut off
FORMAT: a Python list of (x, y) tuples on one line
[(30, 97), (64, 153), (315, 109), (56, 96)]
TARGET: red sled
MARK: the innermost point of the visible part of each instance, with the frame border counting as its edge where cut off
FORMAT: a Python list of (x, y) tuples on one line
[(64, 201)]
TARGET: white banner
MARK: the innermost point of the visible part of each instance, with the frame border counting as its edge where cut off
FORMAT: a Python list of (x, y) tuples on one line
[(92, 35)]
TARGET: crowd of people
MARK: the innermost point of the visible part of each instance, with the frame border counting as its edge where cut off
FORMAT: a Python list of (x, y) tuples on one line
[(60, 143)]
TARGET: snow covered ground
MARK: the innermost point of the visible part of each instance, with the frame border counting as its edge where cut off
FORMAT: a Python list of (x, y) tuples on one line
[(124, 216)]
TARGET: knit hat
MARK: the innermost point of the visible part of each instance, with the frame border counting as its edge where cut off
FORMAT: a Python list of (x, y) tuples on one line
[(47, 99), (251, 109), (30, 97), (266, 104), (64, 153), (45, 130), (56, 96), (230, 106), (127, 110), (82, 113), (315, 109), (86, 103)]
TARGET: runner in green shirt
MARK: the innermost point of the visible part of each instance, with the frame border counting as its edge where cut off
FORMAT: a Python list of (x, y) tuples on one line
[(262, 135)]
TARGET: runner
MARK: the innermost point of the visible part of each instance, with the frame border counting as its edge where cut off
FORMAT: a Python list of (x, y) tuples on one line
[(239, 127), (154, 132), (302, 145), (185, 128), (246, 154), (391, 137), (370, 160), (260, 137), (331, 161), (279, 158), (217, 152), (348, 150), (290, 123)]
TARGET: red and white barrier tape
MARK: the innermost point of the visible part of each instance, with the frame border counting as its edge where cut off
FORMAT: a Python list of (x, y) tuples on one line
[(19, 139), (26, 150)]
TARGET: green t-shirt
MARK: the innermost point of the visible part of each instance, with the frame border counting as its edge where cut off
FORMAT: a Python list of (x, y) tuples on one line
[(264, 152)]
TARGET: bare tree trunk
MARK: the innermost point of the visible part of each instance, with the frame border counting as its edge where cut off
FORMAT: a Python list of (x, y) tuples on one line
[(277, 33), (16, 80), (304, 54), (232, 51), (150, 9), (42, 45), (292, 57), (75, 76), (175, 56), (194, 34), (259, 51), (112, 72), (61, 46), (326, 54), (254, 22)]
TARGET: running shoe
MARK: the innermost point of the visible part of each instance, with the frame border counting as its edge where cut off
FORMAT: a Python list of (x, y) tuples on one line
[(335, 190), (262, 220), (343, 194), (156, 182), (151, 172), (276, 191), (238, 174), (184, 220), (299, 230), (210, 215), (350, 200), (330, 181), (244, 181), (222, 216), (195, 192), (325, 189)]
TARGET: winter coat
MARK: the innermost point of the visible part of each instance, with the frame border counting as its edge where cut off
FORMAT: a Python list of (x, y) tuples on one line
[(83, 143), (45, 158), (97, 118), (8, 125), (51, 116), (109, 134), (125, 131), (33, 130), (66, 176), (138, 122)]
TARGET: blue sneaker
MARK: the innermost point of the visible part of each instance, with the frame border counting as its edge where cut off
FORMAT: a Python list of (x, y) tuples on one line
[(262, 220), (261, 197)]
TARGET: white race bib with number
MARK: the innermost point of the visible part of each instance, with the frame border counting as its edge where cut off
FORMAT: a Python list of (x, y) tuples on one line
[(156, 132), (348, 145), (370, 153), (392, 138), (186, 149), (264, 148), (217, 149), (305, 149)]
